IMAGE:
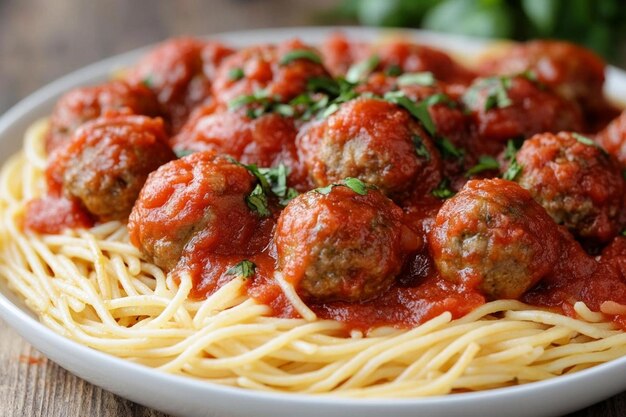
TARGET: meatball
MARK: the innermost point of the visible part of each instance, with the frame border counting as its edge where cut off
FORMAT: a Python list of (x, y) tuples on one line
[(503, 108), (107, 162), (180, 72), (196, 202), (573, 72), (613, 138), (281, 71), (577, 183), (493, 236), (340, 53), (340, 245), (375, 141), (267, 140), (411, 57), (87, 103)]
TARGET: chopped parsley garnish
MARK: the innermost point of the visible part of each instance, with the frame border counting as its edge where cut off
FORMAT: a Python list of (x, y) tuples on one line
[(324, 84), (362, 69), (496, 90), (420, 148), (257, 201), (261, 103), (180, 153), (448, 150), (485, 163), (583, 139), (443, 190), (515, 168), (300, 54), (416, 78), (623, 232), (148, 81), (244, 269), (277, 179), (417, 110), (354, 184), (511, 149), (330, 110), (235, 74), (393, 70)]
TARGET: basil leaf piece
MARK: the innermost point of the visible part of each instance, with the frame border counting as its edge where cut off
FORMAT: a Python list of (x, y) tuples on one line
[(416, 78), (443, 190), (325, 84), (244, 269), (300, 54), (515, 168), (420, 148), (448, 150), (393, 70), (511, 150), (496, 90), (235, 74), (485, 163), (257, 201), (419, 111), (362, 69), (583, 139), (356, 185), (277, 179), (181, 153), (325, 190)]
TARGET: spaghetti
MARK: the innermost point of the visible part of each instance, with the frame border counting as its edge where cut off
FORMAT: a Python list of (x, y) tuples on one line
[(94, 287)]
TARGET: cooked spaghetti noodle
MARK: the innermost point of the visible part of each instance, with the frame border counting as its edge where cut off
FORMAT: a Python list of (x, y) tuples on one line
[(95, 288)]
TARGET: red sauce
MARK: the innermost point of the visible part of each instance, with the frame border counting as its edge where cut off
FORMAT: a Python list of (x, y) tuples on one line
[(54, 214)]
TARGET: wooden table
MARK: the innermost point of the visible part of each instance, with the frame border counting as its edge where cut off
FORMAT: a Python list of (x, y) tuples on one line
[(41, 40)]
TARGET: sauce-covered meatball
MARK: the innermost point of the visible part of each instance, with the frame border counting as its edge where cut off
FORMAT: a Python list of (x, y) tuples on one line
[(198, 202), (517, 107), (340, 245), (87, 103), (572, 71), (281, 71), (493, 236), (375, 141), (613, 138), (410, 57), (107, 162), (267, 140), (577, 183), (340, 53), (180, 72)]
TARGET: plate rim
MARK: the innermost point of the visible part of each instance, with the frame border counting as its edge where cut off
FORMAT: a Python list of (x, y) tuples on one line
[(24, 323)]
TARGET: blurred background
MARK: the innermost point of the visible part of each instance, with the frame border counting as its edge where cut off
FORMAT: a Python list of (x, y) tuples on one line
[(41, 40)]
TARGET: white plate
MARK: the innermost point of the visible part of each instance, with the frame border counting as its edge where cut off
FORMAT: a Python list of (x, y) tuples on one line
[(188, 397)]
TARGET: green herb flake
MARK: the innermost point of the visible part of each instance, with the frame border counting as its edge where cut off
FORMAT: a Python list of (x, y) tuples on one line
[(485, 163), (623, 232), (443, 190), (416, 78), (325, 190), (244, 269), (284, 110), (393, 70), (235, 74), (420, 148), (496, 90), (419, 111), (362, 69), (511, 150), (181, 153), (515, 168), (260, 97), (324, 84), (257, 201), (356, 185), (448, 150), (277, 179), (329, 110), (583, 139), (296, 54), (148, 81)]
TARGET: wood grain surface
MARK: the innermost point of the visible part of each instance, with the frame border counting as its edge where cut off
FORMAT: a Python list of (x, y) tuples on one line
[(41, 40)]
